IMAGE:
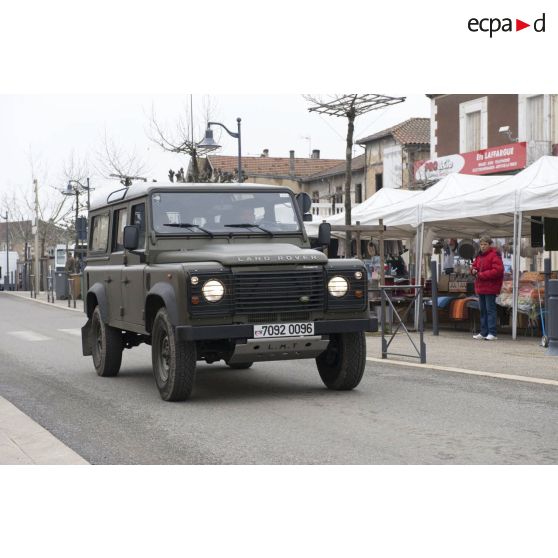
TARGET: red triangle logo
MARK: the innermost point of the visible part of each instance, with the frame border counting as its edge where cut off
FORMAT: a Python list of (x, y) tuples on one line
[(519, 25)]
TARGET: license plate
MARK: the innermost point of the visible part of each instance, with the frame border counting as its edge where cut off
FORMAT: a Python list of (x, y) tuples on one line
[(262, 331)]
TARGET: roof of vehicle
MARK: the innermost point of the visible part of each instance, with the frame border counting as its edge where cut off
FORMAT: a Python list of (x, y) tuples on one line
[(140, 189)]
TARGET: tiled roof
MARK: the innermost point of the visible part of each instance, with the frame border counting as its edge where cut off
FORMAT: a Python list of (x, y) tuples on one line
[(357, 164), (411, 131), (271, 166)]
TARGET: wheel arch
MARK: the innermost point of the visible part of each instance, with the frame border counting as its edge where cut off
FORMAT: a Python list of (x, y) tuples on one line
[(97, 296), (160, 295)]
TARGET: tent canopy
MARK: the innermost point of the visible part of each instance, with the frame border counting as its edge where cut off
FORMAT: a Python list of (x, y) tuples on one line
[(370, 211)]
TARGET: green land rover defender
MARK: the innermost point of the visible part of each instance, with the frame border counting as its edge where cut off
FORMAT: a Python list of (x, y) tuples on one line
[(209, 272)]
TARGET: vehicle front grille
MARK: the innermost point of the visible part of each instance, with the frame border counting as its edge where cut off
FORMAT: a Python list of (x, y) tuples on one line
[(279, 292), (263, 318)]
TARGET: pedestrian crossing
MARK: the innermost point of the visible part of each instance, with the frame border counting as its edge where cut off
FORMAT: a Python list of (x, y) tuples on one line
[(35, 336)]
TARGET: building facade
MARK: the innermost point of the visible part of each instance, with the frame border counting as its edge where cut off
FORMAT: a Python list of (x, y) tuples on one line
[(390, 155), (327, 188), (489, 134), (277, 171)]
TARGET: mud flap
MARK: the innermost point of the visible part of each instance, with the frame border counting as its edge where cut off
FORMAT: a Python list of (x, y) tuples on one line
[(86, 339)]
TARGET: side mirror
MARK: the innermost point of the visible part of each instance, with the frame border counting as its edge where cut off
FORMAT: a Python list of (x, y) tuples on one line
[(304, 202), (324, 234), (131, 237)]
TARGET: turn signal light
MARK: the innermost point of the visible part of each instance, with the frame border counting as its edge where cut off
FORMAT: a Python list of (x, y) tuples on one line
[(195, 300), (359, 294)]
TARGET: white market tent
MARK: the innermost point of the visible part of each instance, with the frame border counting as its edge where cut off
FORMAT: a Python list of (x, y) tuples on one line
[(499, 206), (370, 211)]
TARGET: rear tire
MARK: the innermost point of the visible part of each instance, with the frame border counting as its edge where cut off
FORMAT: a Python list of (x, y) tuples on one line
[(174, 360), (239, 365), (106, 346), (341, 365)]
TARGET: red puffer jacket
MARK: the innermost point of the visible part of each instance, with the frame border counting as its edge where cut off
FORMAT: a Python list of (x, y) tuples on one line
[(490, 272)]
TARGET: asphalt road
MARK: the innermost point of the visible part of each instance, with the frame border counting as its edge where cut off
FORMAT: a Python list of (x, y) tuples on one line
[(273, 413)]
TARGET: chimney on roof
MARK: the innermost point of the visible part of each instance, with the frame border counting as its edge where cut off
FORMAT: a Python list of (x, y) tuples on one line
[(315, 153), (291, 161), (265, 153)]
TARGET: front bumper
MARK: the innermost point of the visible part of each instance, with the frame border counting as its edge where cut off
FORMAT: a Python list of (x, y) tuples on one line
[(246, 331)]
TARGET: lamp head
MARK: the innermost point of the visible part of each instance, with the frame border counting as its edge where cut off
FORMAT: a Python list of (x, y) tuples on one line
[(208, 143)]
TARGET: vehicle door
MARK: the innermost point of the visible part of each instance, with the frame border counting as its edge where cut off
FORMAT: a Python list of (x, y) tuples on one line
[(113, 278), (133, 273)]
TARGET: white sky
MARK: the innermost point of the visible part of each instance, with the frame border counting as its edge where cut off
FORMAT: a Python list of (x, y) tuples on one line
[(49, 128)]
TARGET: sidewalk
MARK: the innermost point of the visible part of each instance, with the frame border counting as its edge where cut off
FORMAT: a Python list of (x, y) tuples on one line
[(458, 349), (24, 442), (43, 299)]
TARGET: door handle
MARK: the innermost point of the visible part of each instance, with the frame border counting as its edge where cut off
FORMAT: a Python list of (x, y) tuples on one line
[(125, 281), (108, 280)]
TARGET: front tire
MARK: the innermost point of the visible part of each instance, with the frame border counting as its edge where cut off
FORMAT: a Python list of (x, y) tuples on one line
[(174, 360), (341, 365), (106, 346)]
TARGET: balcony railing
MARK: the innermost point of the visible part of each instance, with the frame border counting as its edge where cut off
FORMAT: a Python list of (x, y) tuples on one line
[(325, 209), (537, 149)]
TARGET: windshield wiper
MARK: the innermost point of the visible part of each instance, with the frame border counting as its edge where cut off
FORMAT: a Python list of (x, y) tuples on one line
[(247, 225), (189, 226)]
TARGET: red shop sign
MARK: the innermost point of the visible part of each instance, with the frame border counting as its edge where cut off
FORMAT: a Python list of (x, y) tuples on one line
[(504, 158)]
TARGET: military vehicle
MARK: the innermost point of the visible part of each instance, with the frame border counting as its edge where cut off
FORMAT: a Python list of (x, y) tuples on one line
[(219, 272)]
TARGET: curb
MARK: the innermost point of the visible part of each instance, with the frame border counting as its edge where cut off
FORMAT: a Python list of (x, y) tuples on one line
[(49, 304), (25, 442)]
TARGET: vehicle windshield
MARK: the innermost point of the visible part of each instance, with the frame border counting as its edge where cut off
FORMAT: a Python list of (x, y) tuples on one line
[(203, 213)]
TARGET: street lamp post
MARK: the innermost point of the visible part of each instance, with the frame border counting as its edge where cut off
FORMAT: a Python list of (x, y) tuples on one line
[(209, 144), (74, 188), (7, 250)]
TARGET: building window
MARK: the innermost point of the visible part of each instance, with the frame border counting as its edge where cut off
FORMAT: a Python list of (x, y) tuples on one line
[(358, 193), (339, 194), (535, 118), (473, 123), (534, 125), (379, 181)]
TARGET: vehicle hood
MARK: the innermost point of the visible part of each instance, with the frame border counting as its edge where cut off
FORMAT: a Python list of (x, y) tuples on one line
[(247, 254)]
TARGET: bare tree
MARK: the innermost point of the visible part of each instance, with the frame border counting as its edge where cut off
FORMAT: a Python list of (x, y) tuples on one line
[(116, 162), (184, 136), (54, 208), (349, 106)]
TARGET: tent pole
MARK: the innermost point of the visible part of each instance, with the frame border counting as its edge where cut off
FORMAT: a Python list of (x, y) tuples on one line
[(418, 268), (517, 261)]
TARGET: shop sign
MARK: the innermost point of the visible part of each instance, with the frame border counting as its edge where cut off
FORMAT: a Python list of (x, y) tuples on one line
[(504, 158)]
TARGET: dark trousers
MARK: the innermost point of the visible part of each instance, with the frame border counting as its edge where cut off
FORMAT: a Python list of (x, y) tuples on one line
[(487, 305)]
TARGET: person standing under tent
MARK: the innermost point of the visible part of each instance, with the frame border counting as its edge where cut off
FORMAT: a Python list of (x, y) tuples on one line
[(488, 271)]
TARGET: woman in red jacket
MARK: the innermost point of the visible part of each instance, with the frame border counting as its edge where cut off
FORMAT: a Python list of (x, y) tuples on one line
[(488, 270)]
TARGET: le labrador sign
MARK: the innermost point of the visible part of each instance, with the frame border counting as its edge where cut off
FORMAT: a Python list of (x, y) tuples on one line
[(504, 158)]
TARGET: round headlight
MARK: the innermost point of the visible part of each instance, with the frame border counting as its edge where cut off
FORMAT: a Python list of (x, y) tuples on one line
[(338, 286), (213, 290)]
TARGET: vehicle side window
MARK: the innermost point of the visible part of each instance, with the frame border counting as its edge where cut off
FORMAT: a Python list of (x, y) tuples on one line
[(100, 233), (138, 218), (120, 221)]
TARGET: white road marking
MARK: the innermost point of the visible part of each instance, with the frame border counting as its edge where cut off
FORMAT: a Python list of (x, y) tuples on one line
[(467, 371), (76, 331), (29, 335)]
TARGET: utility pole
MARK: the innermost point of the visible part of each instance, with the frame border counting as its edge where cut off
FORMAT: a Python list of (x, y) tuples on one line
[(37, 258), (7, 251)]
